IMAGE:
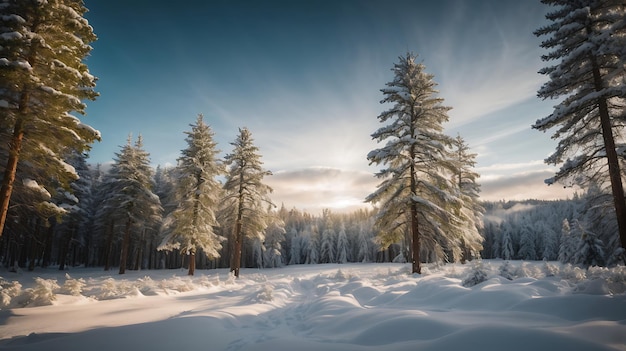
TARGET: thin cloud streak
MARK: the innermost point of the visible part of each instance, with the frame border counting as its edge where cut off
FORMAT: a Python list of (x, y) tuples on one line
[(315, 189)]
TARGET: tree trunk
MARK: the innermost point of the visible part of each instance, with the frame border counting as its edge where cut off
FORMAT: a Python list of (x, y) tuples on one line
[(236, 261), (125, 246), (415, 259), (192, 262), (15, 147), (611, 155), (47, 251), (109, 247)]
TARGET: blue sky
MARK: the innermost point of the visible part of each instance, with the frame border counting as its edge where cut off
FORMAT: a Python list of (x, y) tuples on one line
[(305, 78)]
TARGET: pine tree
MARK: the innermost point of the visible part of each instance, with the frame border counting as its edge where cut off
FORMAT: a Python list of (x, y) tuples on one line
[(527, 249), (327, 246), (587, 39), (416, 194), (274, 236), (131, 201), (565, 246), (590, 250), (246, 197), (42, 80), (342, 246), (472, 211), (191, 226), (507, 251)]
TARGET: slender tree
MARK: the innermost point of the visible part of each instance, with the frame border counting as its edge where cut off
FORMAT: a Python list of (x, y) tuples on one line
[(246, 197), (472, 211), (416, 194), (191, 225), (587, 38), (42, 80), (131, 200)]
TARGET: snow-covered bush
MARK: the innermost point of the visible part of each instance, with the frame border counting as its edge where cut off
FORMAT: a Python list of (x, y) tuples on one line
[(507, 270), (573, 273), (8, 290), (526, 270), (42, 294), (73, 286), (477, 274), (266, 294), (550, 270)]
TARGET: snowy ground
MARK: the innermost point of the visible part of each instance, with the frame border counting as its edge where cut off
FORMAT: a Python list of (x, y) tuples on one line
[(545, 306)]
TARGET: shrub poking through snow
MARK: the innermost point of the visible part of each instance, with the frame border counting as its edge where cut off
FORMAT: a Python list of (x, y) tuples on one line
[(8, 290), (266, 294), (42, 294), (550, 270), (73, 286), (477, 274), (507, 271)]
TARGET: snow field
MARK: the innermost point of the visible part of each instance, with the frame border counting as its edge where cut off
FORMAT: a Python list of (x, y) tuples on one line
[(543, 306)]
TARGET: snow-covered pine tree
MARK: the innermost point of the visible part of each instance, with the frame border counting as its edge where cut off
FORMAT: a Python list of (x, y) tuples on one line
[(274, 236), (246, 196), (590, 249), (342, 245), (42, 80), (327, 246), (587, 39), (472, 211), (191, 225), (416, 195), (131, 201), (507, 251), (565, 243), (363, 242), (527, 249)]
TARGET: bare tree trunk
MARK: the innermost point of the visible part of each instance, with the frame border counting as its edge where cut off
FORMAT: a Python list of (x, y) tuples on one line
[(15, 147), (236, 261), (192, 262), (611, 155), (109, 247), (125, 246)]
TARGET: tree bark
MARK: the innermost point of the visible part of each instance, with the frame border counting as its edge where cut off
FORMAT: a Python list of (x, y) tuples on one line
[(236, 261), (125, 246), (109, 246), (611, 154), (415, 259), (15, 147), (192, 262)]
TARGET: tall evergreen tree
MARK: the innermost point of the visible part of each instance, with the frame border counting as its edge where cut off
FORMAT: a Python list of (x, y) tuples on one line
[(42, 80), (131, 199), (472, 211), (587, 39), (246, 197), (416, 194), (191, 225)]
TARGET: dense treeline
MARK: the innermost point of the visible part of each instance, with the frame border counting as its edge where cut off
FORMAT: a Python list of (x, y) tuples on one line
[(90, 235)]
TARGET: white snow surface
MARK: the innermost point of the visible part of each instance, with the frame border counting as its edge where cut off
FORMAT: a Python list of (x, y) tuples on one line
[(364, 306)]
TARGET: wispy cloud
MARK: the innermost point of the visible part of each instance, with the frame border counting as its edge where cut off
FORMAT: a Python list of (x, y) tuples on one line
[(522, 186), (314, 189)]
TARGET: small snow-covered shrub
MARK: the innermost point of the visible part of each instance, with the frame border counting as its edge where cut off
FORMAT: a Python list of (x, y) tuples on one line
[(526, 270), (507, 270), (477, 274), (108, 289), (73, 286), (266, 294), (340, 275), (42, 294), (550, 270), (573, 273), (8, 290)]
